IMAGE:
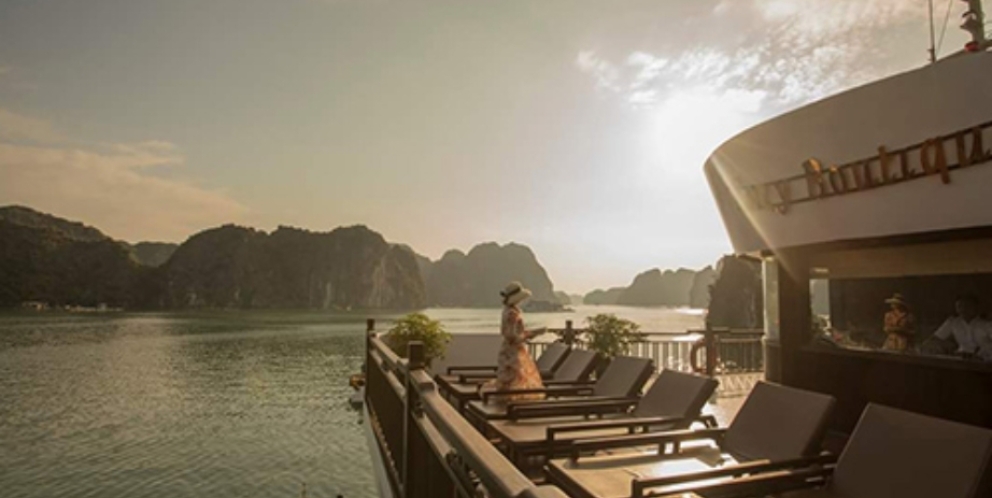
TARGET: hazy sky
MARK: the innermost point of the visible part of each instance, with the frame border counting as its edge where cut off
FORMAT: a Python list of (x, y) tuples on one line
[(578, 128)]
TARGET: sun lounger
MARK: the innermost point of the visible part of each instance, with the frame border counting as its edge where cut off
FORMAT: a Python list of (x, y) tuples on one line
[(674, 401), (891, 454), (777, 427), (554, 354), (575, 367), (622, 379)]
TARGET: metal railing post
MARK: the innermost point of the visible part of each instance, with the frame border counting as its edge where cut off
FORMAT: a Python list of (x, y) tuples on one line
[(709, 344), (569, 336)]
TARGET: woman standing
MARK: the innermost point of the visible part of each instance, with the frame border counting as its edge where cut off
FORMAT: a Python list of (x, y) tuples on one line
[(899, 324), (515, 368)]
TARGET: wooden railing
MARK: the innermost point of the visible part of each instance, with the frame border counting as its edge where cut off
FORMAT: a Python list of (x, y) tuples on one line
[(736, 356), (428, 449), (710, 352)]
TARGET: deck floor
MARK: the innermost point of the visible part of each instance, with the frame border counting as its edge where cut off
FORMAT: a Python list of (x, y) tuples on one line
[(733, 390), (725, 408)]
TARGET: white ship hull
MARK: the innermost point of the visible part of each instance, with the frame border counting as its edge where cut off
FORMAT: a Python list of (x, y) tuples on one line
[(833, 170)]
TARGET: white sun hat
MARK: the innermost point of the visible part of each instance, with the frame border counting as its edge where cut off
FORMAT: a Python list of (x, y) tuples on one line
[(514, 293)]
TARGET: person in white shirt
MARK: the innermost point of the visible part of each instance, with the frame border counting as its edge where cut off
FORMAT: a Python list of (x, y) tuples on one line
[(971, 333)]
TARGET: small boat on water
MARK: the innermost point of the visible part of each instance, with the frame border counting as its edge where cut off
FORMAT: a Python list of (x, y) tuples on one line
[(357, 398)]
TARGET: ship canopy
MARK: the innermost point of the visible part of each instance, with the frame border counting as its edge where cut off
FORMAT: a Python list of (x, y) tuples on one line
[(904, 155)]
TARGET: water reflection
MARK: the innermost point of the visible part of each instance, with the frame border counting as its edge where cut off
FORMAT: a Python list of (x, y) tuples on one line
[(158, 405), (203, 404)]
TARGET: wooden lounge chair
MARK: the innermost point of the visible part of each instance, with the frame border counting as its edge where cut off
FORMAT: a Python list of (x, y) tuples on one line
[(674, 401), (549, 360), (891, 454), (777, 427), (622, 379), (575, 368), (461, 383)]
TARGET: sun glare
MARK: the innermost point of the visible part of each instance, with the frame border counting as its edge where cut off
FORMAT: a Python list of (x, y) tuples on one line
[(687, 126)]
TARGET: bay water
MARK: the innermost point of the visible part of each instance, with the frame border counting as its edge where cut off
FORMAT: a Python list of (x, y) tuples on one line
[(208, 404)]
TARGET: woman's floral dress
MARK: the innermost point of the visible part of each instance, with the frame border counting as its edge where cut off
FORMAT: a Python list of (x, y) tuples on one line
[(515, 368), (899, 326)]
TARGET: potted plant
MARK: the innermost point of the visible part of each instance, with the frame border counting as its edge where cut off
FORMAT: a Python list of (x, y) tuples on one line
[(610, 336), (418, 327)]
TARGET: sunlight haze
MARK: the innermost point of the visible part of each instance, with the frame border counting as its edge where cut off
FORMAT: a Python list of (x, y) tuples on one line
[(577, 128)]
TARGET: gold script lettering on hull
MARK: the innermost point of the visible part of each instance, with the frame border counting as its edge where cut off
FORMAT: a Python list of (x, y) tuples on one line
[(927, 158)]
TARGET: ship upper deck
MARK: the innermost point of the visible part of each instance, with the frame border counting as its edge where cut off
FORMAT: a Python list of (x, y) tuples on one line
[(416, 430)]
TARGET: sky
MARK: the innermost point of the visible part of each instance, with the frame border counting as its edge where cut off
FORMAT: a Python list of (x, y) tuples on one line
[(578, 128)]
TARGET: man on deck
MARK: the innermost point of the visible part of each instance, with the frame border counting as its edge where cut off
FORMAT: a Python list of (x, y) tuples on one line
[(971, 333)]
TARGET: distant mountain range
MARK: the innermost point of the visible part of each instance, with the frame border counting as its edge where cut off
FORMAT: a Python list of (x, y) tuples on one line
[(29, 218), (567, 299), (51, 260), (680, 287), (238, 267), (473, 280), (48, 259)]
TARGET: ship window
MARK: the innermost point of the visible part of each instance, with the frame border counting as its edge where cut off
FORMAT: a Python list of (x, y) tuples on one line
[(902, 314), (819, 296), (894, 299)]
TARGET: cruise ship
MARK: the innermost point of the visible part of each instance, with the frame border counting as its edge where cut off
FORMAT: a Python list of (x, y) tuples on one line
[(881, 197)]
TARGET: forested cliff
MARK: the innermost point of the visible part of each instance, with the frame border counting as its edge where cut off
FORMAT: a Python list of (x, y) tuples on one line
[(59, 262)]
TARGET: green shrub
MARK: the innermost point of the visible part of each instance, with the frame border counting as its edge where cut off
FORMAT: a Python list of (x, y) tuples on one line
[(418, 327), (610, 336)]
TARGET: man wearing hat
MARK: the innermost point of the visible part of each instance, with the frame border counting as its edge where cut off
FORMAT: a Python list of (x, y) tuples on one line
[(899, 324)]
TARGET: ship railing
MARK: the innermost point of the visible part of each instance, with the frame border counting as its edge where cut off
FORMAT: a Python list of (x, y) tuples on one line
[(734, 356), (427, 447)]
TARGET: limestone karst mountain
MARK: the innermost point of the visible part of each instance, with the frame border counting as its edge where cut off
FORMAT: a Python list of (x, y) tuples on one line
[(153, 253), (240, 267), (474, 280), (51, 260), (675, 288)]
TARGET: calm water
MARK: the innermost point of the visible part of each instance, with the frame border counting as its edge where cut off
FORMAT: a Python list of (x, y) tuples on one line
[(225, 404), (650, 319)]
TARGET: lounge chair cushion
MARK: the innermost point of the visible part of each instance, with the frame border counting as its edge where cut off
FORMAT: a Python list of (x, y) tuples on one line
[(778, 423), (675, 394), (497, 411), (576, 366), (895, 453), (530, 431), (611, 475), (624, 378), (551, 358)]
